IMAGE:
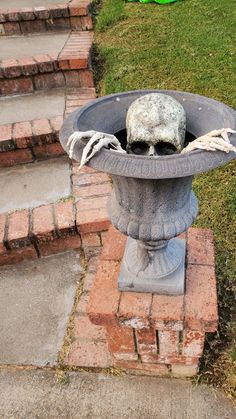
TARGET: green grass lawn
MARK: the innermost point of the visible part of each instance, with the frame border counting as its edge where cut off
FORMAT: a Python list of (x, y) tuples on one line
[(189, 45)]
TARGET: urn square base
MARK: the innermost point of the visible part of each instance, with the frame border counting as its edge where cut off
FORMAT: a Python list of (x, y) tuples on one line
[(160, 276)]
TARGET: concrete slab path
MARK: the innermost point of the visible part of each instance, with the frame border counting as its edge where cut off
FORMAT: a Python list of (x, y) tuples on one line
[(36, 299), (35, 44), (37, 394), (37, 105), (34, 184)]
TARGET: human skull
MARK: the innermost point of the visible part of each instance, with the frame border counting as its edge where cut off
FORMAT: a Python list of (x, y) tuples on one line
[(156, 125)]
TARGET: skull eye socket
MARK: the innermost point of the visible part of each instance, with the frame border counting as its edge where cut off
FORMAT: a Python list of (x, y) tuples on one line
[(163, 148), (139, 147)]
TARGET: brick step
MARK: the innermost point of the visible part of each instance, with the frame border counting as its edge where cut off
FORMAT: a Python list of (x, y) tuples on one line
[(30, 123), (52, 60), (49, 207), (29, 16)]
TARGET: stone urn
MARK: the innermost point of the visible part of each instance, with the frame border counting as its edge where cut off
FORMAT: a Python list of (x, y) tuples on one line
[(152, 200)]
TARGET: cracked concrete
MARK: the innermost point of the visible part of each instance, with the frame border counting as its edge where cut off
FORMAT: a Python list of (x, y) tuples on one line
[(32, 44), (38, 394), (34, 184), (36, 299), (37, 105)]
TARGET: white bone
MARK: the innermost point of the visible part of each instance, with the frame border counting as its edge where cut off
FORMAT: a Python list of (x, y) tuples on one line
[(212, 141), (102, 139)]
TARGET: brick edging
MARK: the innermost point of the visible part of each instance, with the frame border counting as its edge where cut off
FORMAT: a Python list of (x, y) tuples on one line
[(70, 67), (63, 16), (24, 142), (66, 224)]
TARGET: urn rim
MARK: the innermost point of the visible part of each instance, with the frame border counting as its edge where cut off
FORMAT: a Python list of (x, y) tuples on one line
[(107, 114)]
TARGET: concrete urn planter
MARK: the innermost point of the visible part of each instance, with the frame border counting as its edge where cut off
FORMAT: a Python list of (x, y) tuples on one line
[(152, 200)]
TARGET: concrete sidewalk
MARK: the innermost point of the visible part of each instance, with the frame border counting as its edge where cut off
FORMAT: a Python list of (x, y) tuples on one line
[(38, 394)]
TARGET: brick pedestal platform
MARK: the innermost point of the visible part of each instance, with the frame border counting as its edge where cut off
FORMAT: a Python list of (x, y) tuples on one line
[(149, 333)]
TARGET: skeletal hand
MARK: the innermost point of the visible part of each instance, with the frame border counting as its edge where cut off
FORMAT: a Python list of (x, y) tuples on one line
[(97, 140), (212, 141)]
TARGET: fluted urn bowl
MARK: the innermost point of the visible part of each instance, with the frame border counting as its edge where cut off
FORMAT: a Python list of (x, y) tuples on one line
[(152, 200)]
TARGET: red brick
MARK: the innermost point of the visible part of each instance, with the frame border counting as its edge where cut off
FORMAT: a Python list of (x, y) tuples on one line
[(41, 12), (87, 331), (76, 23), (44, 63), (13, 158), (12, 28), (72, 79), (6, 142), (63, 64), (56, 123), (167, 312), (43, 226), (2, 232), (93, 220), (33, 26), (65, 217), (92, 203), (121, 342), (139, 368), (168, 342), (28, 66), (91, 240), (18, 229), (58, 24), (17, 255), (11, 68), (146, 341), (59, 10), (104, 296), (41, 128), (20, 85), (45, 151), (200, 247), (135, 309), (86, 79), (78, 63), (49, 81), (86, 23), (59, 245), (168, 359), (75, 10), (83, 170), (22, 134), (114, 245), (89, 179), (12, 15), (193, 343), (26, 13), (201, 299), (89, 354), (92, 190)]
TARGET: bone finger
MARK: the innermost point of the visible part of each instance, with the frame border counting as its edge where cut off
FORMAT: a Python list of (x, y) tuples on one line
[(89, 149), (79, 135), (225, 136)]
